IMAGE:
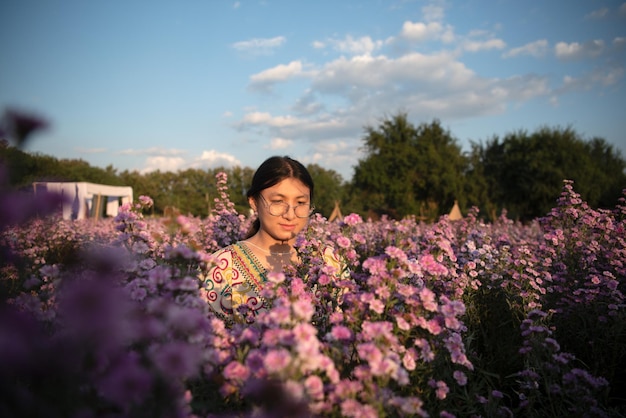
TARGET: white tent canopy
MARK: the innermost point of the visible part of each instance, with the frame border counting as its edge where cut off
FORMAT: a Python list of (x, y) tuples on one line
[(85, 200)]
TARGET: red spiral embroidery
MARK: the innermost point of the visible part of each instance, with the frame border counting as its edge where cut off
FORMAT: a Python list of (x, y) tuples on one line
[(211, 296), (254, 303), (217, 273)]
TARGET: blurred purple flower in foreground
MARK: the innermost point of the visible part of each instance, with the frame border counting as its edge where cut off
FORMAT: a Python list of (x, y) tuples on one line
[(20, 125)]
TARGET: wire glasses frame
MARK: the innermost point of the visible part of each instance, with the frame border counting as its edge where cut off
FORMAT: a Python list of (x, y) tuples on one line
[(302, 210)]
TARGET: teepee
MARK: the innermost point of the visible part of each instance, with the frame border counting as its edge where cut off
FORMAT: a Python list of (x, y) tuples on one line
[(336, 213), (455, 213)]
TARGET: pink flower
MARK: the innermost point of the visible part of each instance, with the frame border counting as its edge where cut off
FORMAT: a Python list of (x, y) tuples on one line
[(340, 332), (377, 306), (343, 242), (314, 387), (352, 219), (396, 253), (277, 360), (370, 353), (236, 371), (375, 265), (275, 277), (408, 360), (432, 266), (303, 309), (427, 297), (402, 323), (442, 389)]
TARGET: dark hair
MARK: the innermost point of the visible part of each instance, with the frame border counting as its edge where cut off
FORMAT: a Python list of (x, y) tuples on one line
[(271, 172)]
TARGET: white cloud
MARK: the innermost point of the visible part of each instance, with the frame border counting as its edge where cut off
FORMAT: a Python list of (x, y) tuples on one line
[(475, 46), (419, 31), (600, 76), (259, 46), (264, 118), (433, 12), (337, 156), (318, 45), (279, 73), (359, 89), (576, 51), (90, 150), (347, 93), (622, 10), (280, 143), (265, 80), (153, 151), (213, 159), (607, 76), (163, 164), (307, 104), (480, 40), (535, 49), (331, 147), (361, 76), (363, 45), (598, 13)]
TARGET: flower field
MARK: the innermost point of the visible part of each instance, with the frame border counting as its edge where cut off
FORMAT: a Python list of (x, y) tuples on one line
[(451, 319)]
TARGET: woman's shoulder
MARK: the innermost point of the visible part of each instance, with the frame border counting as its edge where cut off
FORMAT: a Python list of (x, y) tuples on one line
[(222, 258), (228, 250)]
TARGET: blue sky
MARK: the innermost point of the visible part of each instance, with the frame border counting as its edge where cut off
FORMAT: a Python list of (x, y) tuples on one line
[(170, 85)]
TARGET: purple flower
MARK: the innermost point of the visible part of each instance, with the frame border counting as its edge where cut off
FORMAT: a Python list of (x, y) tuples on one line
[(127, 382), (460, 377), (176, 359), (21, 125)]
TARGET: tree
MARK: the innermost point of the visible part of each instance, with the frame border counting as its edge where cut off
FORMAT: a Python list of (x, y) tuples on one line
[(477, 185), (329, 188), (408, 170), (525, 171), (609, 171)]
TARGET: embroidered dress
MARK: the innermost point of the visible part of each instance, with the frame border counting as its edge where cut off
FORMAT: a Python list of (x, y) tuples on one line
[(238, 278), (235, 280)]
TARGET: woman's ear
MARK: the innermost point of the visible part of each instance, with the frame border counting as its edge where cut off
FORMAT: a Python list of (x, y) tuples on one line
[(252, 203)]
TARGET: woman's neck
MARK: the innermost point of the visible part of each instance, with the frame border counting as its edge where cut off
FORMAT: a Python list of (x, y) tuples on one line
[(270, 246)]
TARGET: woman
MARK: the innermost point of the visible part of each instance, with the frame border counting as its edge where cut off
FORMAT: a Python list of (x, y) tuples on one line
[(281, 195)]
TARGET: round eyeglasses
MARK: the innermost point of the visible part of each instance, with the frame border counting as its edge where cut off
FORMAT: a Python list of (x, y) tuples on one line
[(302, 210)]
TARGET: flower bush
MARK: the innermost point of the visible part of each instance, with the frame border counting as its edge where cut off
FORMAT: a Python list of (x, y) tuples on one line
[(456, 318)]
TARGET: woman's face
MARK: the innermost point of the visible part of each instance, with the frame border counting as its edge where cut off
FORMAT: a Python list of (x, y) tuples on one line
[(282, 226)]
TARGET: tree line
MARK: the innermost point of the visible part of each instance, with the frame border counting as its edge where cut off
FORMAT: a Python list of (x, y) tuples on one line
[(406, 170)]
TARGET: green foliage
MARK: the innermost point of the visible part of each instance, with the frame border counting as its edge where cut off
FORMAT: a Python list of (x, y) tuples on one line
[(329, 189), (525, 171), (409, 170), (27, 168)]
